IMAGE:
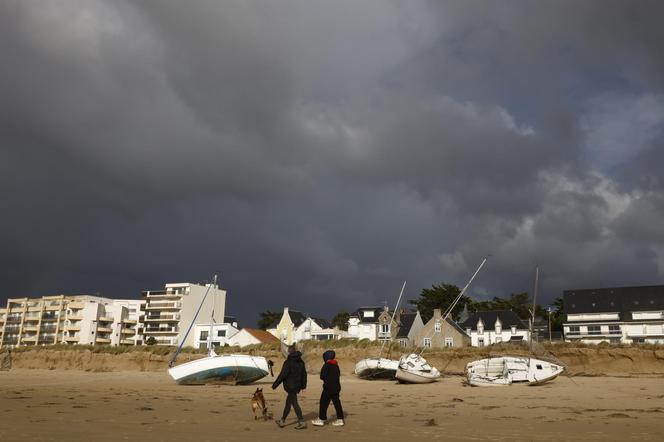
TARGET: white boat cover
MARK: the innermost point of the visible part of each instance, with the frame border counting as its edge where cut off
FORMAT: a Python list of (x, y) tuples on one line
[(376, 368), (507, 370), (415, 369), (233, 368)]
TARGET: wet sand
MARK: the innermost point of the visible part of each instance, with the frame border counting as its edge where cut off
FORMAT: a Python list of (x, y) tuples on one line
[(44, 405)]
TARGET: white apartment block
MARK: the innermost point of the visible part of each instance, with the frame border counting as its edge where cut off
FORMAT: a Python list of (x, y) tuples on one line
[(169, 312), (621, 315), (67, 319)]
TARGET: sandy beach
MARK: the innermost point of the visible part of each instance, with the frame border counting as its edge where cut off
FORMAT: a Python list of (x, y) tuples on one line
[(42, 405)]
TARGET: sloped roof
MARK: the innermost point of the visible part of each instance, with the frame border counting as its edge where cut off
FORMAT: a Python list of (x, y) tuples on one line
[(622, 300), (456, 326), (324, 323), (507, 317), (406, 319), (377, 311), (297, 317), (261, 335)]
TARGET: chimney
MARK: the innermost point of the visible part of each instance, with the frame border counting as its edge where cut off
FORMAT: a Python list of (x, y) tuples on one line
[(437, 314)]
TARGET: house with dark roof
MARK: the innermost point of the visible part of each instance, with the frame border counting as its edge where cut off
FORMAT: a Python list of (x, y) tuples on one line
[(439, 333), (373, 323), (494, 327), (616, 315), (295, 326), (409, 323)]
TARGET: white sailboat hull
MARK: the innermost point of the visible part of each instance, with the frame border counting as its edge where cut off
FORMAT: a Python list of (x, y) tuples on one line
[(508, 370), (414, 369), (376, 368), (235, 369)]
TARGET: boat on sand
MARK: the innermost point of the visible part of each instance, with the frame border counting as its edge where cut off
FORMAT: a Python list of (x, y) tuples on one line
[(508, 370)]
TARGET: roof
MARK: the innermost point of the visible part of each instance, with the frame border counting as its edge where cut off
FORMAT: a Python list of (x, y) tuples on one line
[(456, 326), (507, 317), (406, 319), (622, 300), (261, 335), (377, 311), (324, 323), (297, 318)]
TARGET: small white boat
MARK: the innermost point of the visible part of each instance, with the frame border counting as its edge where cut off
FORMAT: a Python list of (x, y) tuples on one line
[(233, 369), (508, 370), (376, 368), (414, 369)]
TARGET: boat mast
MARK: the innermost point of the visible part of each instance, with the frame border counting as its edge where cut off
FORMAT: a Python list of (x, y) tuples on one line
[(532, 312), (214, 286), (392, 320)]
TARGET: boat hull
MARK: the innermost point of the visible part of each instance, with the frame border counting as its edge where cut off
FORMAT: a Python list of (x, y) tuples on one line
[(411, 377), (376, 368), (509, 370), (225, 369)]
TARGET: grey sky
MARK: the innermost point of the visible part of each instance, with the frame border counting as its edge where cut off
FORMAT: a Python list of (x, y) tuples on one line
[(318, 153)]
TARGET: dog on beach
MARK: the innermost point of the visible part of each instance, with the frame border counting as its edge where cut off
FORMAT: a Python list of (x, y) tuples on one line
[(258, 403)]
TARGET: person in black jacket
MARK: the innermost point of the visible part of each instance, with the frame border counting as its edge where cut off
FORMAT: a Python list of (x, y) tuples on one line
[(294, 377), (330, 375)]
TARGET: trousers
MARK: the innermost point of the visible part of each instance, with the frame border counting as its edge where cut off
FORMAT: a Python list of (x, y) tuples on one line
[(291, 400), (325, 399)]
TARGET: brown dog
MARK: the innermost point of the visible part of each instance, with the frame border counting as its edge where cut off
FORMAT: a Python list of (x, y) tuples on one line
[(258, 402)]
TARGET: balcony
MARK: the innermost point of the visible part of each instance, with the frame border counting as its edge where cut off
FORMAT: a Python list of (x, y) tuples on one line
[(105, 319), (128, 331), (102, 341), (104, 330), (32, 328), (129, 321), (76, 305), (161, 330), (162, 318), (74, 328), (29, 339), (163, 295), (31, 318), (71, 338), (126, 342), (164, 306), (75, 317)]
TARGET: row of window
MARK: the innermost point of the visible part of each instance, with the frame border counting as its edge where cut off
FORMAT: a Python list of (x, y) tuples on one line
[(594, 330), (449, 342)]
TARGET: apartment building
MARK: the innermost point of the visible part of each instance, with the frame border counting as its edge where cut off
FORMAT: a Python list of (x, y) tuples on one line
[(69, 319), (169, 312), (615, 315)]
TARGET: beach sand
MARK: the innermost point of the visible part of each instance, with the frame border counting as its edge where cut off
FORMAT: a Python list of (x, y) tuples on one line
[(43, 405)]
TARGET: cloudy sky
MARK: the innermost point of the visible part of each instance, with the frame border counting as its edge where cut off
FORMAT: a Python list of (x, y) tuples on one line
[(317, 154)]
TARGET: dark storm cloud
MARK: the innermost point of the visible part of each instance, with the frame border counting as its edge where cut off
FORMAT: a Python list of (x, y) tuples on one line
[(319, 153)]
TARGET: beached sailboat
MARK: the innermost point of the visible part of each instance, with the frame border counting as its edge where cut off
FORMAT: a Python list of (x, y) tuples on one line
[(380, 368), (508, 370), (413, 368), (232, 368)]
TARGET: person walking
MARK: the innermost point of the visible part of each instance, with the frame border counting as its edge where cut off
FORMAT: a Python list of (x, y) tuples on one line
[(330, 375), (294, 377)]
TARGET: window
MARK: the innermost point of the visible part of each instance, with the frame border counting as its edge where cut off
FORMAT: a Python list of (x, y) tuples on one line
[(594, 330), (427, 342), (480, 342), (480, 328), (368, 313), (514, 329), (385, 329), (204, 335), (449, 342), (574, 330), (614, 329), (437, 327), (221, 333)]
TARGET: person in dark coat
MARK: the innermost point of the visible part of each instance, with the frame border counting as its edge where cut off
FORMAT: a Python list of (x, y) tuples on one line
[(294, 377), (330, 375)]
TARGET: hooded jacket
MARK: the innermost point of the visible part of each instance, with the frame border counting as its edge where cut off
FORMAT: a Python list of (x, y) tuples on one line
[(330, 374), (293, 374)]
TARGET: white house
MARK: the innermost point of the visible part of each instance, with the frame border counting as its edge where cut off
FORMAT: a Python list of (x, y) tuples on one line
[(250, 336), (627, 315), (221, 333), (373, 323), (494, 327)]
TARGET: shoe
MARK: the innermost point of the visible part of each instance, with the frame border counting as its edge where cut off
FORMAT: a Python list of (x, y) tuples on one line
[(338, 423), (318, 422), (301, 425), (280, 422)]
